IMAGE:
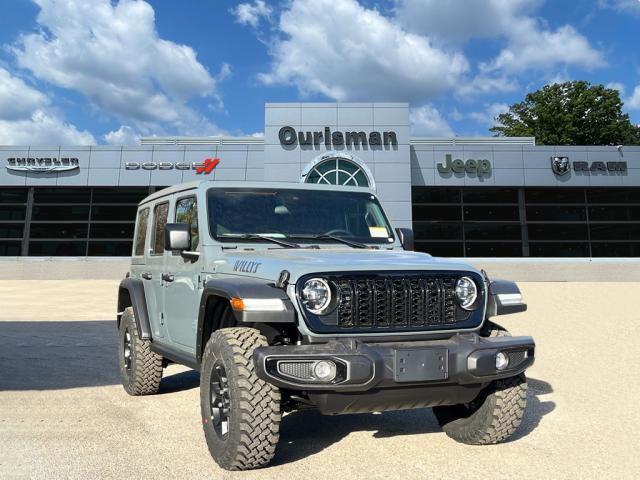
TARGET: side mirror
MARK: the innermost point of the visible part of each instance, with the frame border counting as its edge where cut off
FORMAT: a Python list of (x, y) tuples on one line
[(406, 238), (177, 237)]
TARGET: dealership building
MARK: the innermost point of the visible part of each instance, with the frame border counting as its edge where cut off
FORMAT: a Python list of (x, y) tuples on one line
[(464, 197)]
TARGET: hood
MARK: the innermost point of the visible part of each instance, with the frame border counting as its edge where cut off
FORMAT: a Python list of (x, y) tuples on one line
[(268, 264)]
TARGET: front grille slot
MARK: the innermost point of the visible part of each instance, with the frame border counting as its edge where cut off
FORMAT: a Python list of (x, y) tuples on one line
[(395, 302)]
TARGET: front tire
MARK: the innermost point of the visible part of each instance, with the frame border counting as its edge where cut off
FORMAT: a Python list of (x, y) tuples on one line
[(140, 368), (240, 412), (494, 415)]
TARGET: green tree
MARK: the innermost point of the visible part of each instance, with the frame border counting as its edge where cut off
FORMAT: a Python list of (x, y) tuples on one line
[(570, 113)]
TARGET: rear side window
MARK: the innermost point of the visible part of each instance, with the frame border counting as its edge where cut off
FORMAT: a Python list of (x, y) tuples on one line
[(160, 213), (141, 232), (187, 212)]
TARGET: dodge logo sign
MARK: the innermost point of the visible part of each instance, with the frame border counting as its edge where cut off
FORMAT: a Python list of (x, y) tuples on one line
[(560, 165)]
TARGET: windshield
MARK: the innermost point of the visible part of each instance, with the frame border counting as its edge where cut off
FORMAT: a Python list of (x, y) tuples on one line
[(296, 214)]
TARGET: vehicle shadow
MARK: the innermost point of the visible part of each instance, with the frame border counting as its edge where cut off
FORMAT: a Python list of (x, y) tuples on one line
[(328, 430)]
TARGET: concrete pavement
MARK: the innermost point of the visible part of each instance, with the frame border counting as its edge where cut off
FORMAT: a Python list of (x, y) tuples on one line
[(63, 413)]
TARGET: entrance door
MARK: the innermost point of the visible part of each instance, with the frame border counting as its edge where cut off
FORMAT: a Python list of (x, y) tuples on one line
[(183, 291)]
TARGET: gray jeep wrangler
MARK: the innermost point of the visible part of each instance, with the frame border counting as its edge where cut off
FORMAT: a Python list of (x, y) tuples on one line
[(290, 296)]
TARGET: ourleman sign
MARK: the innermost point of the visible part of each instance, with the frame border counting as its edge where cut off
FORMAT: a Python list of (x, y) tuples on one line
[(42, 164), (470, 166), (289, 137)]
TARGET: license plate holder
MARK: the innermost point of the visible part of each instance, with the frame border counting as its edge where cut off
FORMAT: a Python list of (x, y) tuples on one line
[(421, 364)]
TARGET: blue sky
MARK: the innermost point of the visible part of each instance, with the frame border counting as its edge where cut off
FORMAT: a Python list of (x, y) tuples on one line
[(100, 71)]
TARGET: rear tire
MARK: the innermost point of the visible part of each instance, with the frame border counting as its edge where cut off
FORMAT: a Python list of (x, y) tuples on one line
[(494, 415), (240, 412), (140, 368)]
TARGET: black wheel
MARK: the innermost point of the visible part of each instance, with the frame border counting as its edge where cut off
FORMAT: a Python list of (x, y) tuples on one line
[(240, 412), (494, 415), (140, 368)]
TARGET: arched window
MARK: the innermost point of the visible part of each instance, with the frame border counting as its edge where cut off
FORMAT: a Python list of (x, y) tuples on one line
[(338, 171)]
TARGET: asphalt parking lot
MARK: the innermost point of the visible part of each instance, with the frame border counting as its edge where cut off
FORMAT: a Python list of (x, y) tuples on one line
[(63, 413)]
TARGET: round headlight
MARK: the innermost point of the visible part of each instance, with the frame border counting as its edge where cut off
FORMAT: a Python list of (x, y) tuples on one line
[(316, 295), (467, 292)]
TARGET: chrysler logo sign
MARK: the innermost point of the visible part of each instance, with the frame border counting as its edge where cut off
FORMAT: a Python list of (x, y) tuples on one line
[(42, 164)]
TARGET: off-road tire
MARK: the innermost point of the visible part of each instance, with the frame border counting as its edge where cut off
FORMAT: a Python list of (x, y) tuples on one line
[(254, 412), (145, 367), (494, 415)]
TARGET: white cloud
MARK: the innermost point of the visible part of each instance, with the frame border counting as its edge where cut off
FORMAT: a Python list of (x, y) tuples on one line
[(484, 84), (488, 117), (427, 121), (251, 14), (624, 6), (356, 53), (633, 102), (616, 86), (26, 117), (113, 55), (17, 99), (125, 135)]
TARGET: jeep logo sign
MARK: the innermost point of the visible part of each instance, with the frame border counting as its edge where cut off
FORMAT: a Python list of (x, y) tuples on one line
[(470, 166)]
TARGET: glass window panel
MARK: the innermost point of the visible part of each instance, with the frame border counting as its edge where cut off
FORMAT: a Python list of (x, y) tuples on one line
[(58, 230), (501, 249), (613, 231), (120, 194), (62, 195), (13, 195), (111, 230), (445, 249), (187, 212), (491, 212), (560, 249), (10, 249), (613, 195), (621, 213), (109, 249), (11, 230), (160, 213), (615, 249), (557, 213), (437, 231), (57, 249), (114, 213), (492, 231), (490, 195), (425, 212), (60, 212), (141, 231), (554, 195), (557, 231), (435, 195), (12, 212)]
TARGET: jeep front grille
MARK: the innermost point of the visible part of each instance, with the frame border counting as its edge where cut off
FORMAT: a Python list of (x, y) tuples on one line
[(395, 302)]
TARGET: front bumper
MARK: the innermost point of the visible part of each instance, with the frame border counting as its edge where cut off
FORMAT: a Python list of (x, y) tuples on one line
[(461, 360), (396, 375)]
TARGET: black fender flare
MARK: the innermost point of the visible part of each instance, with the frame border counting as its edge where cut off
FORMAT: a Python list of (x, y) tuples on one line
[(242, 287), (499, 290), (131, 293)]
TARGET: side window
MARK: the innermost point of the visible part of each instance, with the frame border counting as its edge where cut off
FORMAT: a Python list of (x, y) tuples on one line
[(187, 212), (141, 232), (160, 213)]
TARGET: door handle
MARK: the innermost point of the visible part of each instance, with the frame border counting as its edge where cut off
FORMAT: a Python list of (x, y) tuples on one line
[(167, 277), (147, 276)]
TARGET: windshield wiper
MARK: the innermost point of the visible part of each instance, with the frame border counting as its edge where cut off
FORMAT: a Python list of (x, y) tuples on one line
[(325, 236), (255, 236)]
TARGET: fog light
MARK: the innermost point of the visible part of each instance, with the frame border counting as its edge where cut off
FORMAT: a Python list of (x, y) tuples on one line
[(324, 370), (502, 361)]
